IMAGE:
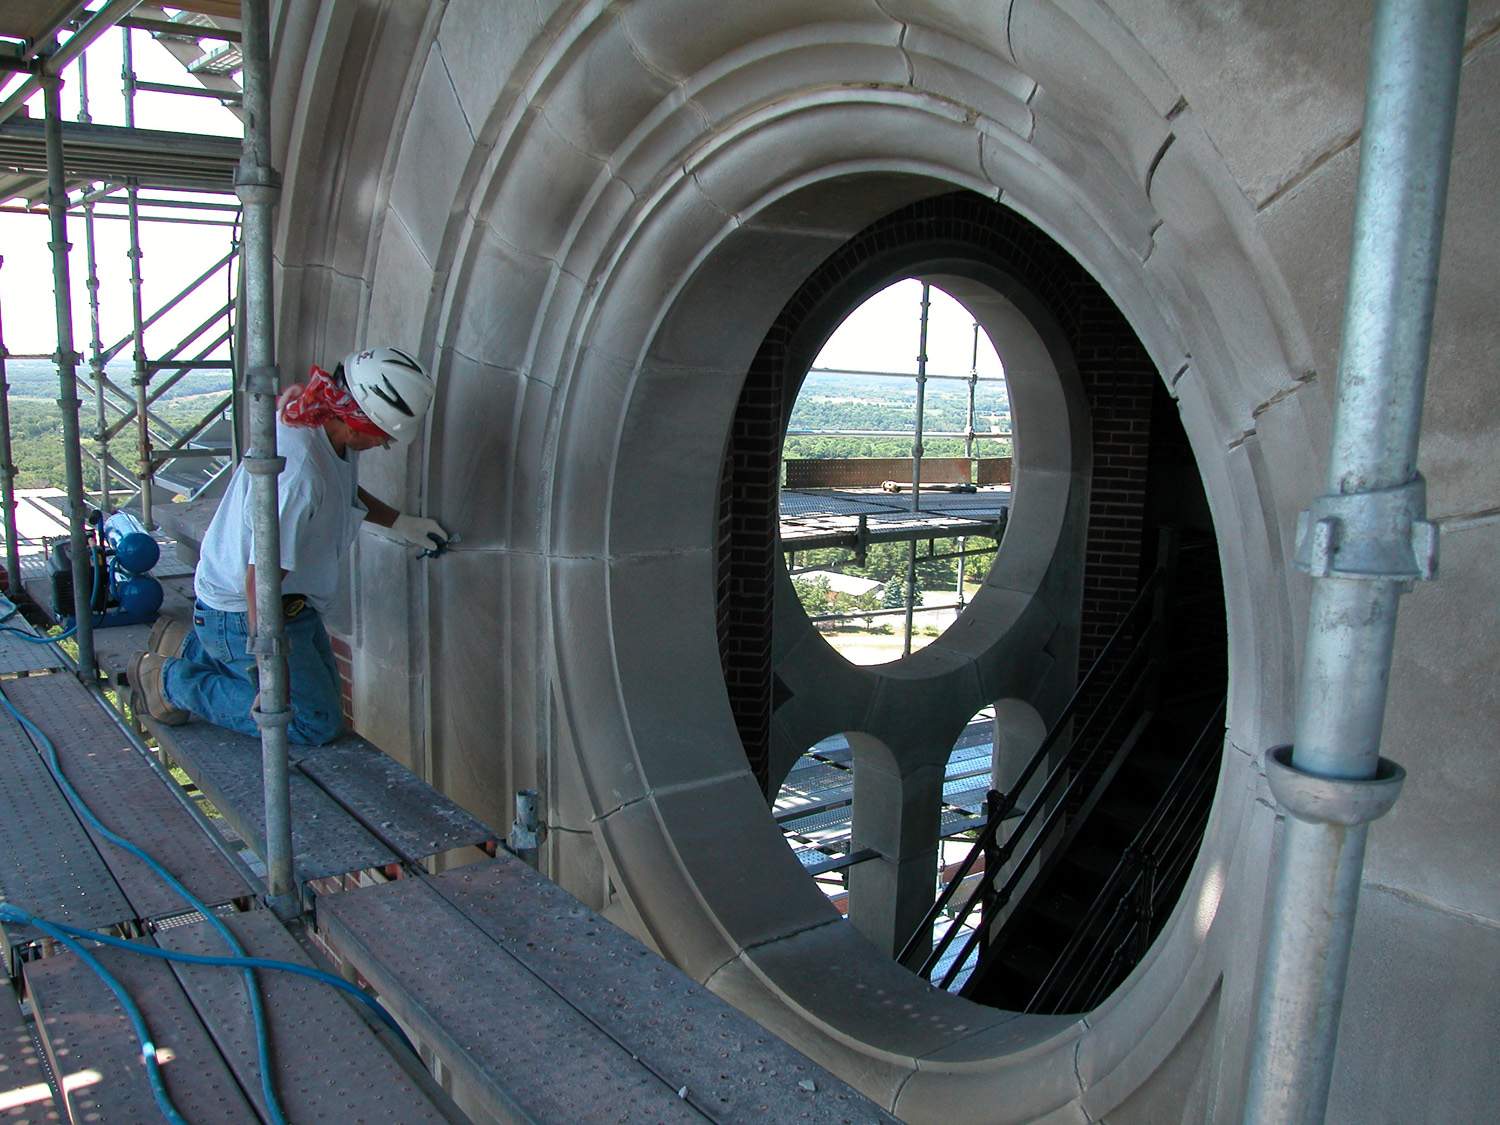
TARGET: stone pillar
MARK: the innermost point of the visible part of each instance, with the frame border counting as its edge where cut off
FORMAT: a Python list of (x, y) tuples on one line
[(896, 815)]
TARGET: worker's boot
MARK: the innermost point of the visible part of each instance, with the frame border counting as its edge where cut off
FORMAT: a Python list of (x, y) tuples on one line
[(168, 636), (146, 692)]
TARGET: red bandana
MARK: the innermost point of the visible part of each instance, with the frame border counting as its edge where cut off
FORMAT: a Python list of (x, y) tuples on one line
[(319, 399)]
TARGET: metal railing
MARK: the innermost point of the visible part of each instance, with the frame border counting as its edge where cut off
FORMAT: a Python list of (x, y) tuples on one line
[(1089, 762), (1118, 926)]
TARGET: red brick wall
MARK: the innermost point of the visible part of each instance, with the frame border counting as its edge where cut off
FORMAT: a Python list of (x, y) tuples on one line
[(343, 657)]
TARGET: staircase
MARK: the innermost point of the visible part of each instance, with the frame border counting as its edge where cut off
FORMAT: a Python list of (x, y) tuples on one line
[(1088, 873)]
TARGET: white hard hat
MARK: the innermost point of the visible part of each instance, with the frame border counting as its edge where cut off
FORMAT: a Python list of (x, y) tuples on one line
[(391, 388)]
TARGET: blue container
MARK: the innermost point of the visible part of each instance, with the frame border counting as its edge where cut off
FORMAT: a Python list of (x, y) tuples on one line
[(136, 551), (139, 597)]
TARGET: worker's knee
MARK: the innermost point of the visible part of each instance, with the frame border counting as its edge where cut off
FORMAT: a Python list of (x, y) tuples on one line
[(313, 726)]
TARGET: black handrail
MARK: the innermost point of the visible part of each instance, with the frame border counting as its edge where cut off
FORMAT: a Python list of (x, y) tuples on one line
[(1158, 838), (1057, 814), (1064, 768), (1008, 801)]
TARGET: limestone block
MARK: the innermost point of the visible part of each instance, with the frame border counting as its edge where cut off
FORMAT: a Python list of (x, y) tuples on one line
[(666, 240), (776, 73), (569, 808), (574, 863), (529, 719), (598, 390), (1078, 52), (469, 475), (1237, 314), (1461, 414), (500, 304), (538, 188), (552, 333), (587, 688), (647, 873), (1438, 843), (481, 45), (666, 481), (527, 471), (921, 704), (436, 148), (896, 800), (699, 330), (958, 1082), (1242, 492), (1277, 85), (1034, 188), (606, 89), (401, 289), (987, 26), (845, 993), (684, 40), (971, 73), (1413, 967), (1307, 230), (807, 136), (1095, 168), (468, 696), (666, 652), (836, 208), (738, 860)]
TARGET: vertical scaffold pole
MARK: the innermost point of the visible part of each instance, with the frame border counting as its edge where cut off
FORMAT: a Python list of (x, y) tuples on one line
[(916, 464), (259, 187), (1364, 542), (8, 476), (96, 345), (67, 378), (141, 378)]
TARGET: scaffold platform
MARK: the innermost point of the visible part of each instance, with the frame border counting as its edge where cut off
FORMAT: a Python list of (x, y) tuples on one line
[(595, 1024), (817, 518)]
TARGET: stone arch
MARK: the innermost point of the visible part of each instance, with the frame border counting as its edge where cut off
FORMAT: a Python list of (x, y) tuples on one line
[(559, 277)]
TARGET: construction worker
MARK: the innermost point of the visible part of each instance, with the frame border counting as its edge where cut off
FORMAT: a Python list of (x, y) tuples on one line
[(373, 398)]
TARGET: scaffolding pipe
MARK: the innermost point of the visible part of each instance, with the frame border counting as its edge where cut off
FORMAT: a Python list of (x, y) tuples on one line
[(1364, 543), (258, 188), (916, 464), (67, 378), (98, 23), (96, 344), (141, 376), (8, 476)]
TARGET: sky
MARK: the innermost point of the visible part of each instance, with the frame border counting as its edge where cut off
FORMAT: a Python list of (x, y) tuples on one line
[(884, 334), (172, 255)]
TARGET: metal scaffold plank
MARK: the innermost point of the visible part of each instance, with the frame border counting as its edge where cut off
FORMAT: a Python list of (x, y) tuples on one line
[(47, 863), (326, 840), (733, 1069), (25, 1093), (543, 1061), (329, 1065), (96, 1057), (22, 656), (129, 797), (397, 806)]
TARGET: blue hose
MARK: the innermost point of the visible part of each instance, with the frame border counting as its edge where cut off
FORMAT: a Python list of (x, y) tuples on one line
[(9, 912), (32, 638), (133, 1013), (257, 1010)]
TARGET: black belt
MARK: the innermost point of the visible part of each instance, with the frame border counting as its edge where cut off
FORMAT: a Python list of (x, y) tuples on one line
[(293, 604)]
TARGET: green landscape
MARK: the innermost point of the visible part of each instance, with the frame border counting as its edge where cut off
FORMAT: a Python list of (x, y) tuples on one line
[(36, 421), (831, 402)]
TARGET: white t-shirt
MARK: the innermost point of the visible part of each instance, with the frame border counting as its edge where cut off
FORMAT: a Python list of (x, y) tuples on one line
[(320, 514)]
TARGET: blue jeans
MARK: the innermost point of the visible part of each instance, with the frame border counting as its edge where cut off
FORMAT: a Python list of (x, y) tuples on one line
[(215, 677)]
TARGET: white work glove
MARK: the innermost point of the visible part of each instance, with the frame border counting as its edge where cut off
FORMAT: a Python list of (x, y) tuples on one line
[(419, 531)]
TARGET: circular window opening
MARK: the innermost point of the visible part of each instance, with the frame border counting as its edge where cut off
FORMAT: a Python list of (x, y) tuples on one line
[(896, 473)]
